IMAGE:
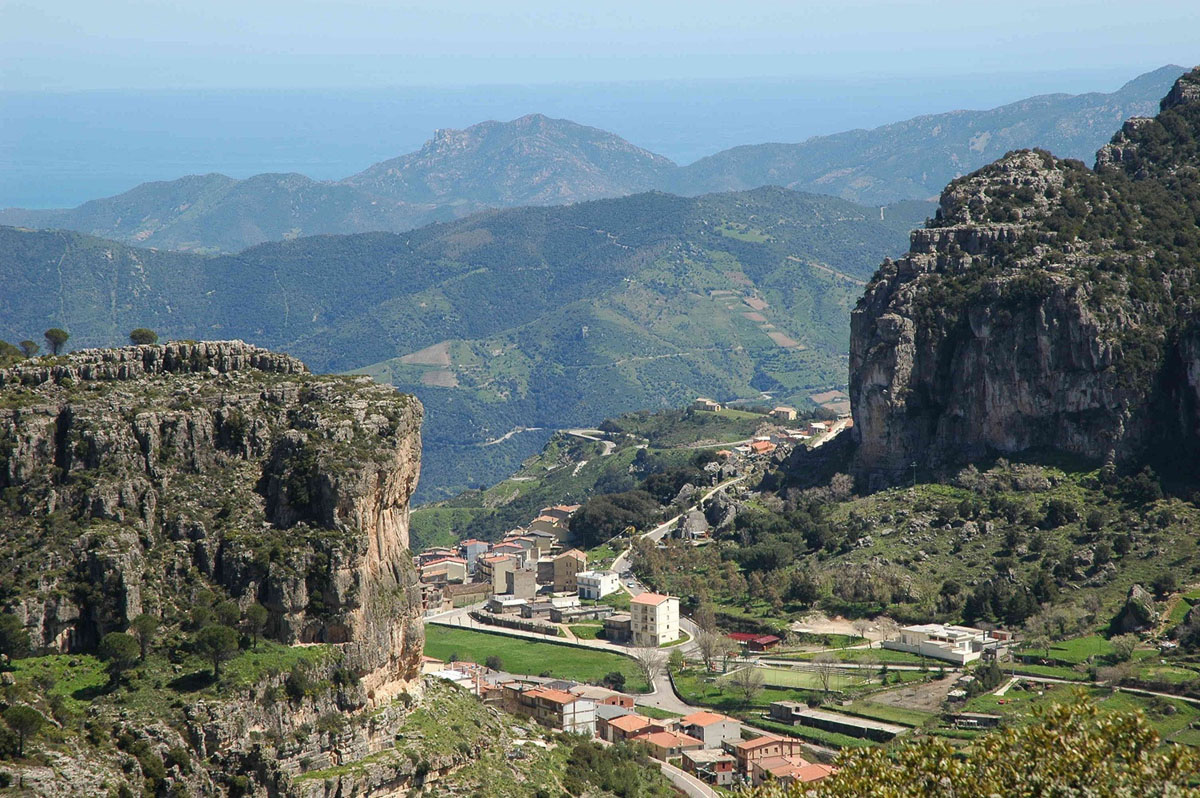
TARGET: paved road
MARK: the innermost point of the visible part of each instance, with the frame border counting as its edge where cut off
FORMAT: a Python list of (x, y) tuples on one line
[(591, 435), (656, 534), (687, 782)]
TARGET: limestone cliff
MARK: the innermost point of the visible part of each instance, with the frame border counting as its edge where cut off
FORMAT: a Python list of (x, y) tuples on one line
[(1046, 307), (139, 479)]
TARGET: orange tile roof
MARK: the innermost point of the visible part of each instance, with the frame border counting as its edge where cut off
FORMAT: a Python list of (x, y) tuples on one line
[(653, 599), (757, 742), (812, 772), (441, 560), (576, 553), (555, 696), (668, 739), (630, 723), (703, 719)]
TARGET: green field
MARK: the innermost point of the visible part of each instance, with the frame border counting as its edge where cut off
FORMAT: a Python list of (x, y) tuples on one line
[(658, 714), (519, 655), (587, 631)]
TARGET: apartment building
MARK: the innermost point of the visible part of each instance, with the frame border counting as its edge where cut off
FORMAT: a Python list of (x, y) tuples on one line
[(655, 619)]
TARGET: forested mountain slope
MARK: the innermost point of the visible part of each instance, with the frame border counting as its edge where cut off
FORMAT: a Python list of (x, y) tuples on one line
[(532, 317)]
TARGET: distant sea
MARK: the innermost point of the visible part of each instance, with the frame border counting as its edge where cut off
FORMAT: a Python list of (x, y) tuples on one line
[(59, 149)]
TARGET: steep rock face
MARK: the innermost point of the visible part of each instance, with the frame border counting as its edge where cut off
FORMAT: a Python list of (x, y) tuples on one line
[(1045, 307), (137, 479)]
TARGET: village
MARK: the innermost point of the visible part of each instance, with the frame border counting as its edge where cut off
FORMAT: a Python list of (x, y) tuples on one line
[(533, 585)]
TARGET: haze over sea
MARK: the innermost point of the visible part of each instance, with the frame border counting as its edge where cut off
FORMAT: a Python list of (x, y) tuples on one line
[(59, 149)]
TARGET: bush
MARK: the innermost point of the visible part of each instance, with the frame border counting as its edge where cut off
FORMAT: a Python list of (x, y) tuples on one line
[(299, 684)]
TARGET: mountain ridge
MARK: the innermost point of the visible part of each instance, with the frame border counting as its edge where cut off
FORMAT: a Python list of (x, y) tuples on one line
[(538, 160)]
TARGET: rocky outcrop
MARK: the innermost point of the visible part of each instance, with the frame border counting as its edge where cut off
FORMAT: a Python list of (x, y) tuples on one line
[(137, 479), (1046, 307), (1138, 613)]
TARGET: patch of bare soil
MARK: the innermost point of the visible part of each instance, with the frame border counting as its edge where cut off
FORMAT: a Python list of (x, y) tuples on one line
[(927, 696)]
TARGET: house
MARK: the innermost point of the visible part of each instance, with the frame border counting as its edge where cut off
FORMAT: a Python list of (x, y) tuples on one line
[(491, 568), (471, 550), (818, 427), (786, 770), (957, 644), (711, 728), (784, 413), (655, 619), (566, 567), (521, 583), (747, 752), (511, 549), (754, 642), (561, 512), (762, 447), (706, 404), (668, 745), (618, 628), (462, 595), (556, 709), (548, 524), (602, 696), (795, 713), (444, 569), (506, 605), (624, 727), (596, 585), (713, 767), (542, 541), (433, 597)]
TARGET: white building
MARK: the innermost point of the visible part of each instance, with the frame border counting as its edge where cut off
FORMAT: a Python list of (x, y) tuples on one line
[(596, 584), (654, 619), (957, 644)]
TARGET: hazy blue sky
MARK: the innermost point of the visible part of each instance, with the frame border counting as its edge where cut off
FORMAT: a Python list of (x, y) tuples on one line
[(87, 44)]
